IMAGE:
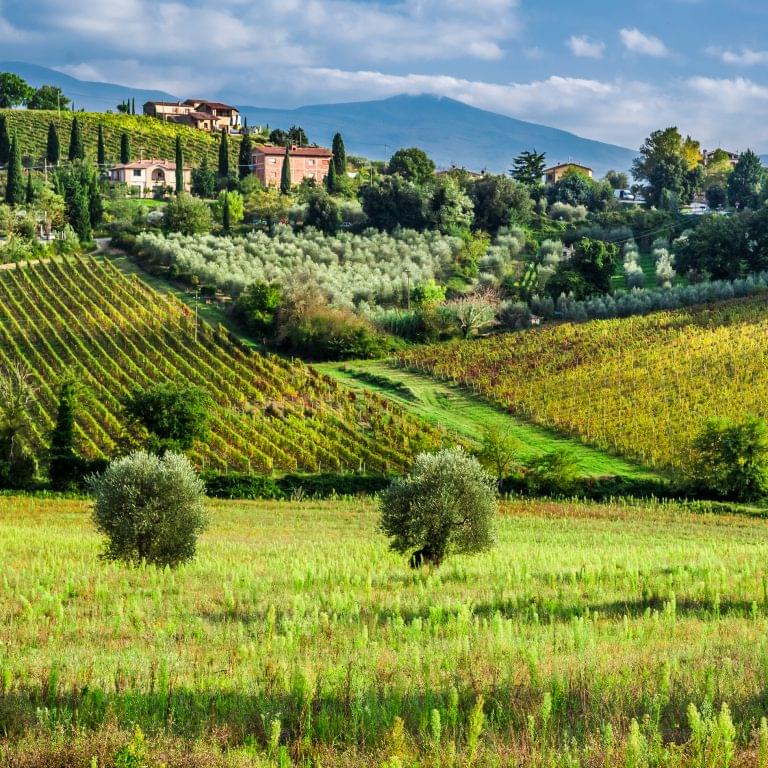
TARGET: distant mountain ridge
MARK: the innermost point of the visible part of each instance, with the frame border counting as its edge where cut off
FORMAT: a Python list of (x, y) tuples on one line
[(451, 132)]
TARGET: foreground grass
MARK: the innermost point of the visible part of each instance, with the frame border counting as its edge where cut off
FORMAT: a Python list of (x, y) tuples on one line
[(296, 637), (462, 412)]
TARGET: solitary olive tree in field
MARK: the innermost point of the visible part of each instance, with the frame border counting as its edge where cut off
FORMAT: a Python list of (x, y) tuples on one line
[(150, 508), (447, 504)]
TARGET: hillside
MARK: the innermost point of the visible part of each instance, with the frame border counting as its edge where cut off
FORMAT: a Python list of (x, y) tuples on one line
[(451, 132), (642, 387), (116, 333), (150, 138), (88, 95)]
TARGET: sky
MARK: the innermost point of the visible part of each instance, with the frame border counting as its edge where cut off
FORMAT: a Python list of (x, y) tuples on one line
[(612, 71)]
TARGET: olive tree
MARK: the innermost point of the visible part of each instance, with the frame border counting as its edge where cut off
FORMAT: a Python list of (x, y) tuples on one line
[(150, 508), (447, 504)]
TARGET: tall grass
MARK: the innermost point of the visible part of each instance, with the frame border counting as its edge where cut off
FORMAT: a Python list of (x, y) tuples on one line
[(592, 635)]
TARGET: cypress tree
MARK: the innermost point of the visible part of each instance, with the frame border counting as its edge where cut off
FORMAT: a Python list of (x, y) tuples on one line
[(125, 148), (95, 203), (101, 153), (285, 176), (339, 155), (30, 196), (331, 183), (76, 146), (14, 185), (5, 141), (133, 106), (245, 159), (226, 217), (224, 155), (53, 147), (80, 213), (179, 166), (63, 462)]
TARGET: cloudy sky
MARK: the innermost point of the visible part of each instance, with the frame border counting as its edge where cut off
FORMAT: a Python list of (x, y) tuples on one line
[(606, 69)]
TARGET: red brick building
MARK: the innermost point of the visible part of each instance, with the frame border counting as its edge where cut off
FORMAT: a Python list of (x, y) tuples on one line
[(306, 163)]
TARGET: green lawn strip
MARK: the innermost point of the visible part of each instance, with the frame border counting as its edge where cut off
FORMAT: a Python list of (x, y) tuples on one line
[(463, 412)]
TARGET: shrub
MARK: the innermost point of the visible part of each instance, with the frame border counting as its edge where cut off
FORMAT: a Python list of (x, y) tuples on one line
[(551, 474), (150, 508), (175, 416), (445, 505), (730, 459), (187, 215)]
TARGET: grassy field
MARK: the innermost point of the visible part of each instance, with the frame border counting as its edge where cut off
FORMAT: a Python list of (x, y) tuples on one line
[(297, 638), (459, 410), (641, 387)]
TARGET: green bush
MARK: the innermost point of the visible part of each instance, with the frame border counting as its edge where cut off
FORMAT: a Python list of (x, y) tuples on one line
[(552, 473), (446, 504), (150, 508), (730, 459)]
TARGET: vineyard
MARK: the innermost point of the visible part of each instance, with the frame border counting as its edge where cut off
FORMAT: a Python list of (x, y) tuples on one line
[(641, 387), (82, 316), (150, 137)]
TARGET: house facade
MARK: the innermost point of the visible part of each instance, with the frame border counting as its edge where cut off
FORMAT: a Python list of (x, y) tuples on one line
[(306, 163), (556, 172), (149, 175), (205, 115)]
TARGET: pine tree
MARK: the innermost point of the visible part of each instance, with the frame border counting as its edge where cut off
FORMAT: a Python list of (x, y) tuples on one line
[(125, 148), (331, 180), (53, 147), (101, 153), (63, 462), (179, 166), (76, 146), (5, 141), (339, 155), (30, 194), (224, 156), (245, 158), (14, 185), (285, 176)]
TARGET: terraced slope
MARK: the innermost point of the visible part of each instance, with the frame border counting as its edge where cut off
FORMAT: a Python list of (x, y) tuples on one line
[(642, 387), (116, 333), (150, 138)]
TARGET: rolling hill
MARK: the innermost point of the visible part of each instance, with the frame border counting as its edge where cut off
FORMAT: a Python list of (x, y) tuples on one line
[(82, 316), (452, 132), (641, 387)]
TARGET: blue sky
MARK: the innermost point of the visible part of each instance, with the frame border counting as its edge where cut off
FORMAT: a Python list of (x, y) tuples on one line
[(607, 70)]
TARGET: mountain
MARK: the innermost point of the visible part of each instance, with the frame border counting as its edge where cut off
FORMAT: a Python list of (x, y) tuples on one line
[(90, 96), (451, 132)]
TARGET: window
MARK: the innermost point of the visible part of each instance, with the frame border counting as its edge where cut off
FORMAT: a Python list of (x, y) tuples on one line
[(272, 160), (137, 173), (310, 162)]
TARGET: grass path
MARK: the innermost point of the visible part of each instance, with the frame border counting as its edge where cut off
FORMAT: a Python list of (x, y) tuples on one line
[(459, 410)]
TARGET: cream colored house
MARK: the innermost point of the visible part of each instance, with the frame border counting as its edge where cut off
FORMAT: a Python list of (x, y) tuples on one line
[(149, 175), (205, 115), (554, 174)]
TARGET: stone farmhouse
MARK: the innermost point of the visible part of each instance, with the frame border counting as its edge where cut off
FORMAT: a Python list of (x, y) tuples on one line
[(149, 176), (205, 115)]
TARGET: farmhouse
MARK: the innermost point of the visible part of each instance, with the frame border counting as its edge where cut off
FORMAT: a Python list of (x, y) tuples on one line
[(556, 172), (306, 163), (205, 115), (149, 175)]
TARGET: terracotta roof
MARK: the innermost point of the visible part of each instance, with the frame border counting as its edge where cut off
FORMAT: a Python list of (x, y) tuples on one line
[(218, 105), (567, 165), (269, 149), (137, 164), (165, 103)]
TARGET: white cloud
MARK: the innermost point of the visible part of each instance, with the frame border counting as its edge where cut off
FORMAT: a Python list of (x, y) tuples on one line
[(745, 57), (582, 46), (637, 42)]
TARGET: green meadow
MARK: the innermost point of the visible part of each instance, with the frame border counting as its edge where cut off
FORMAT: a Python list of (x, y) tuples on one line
[(591, 635)]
